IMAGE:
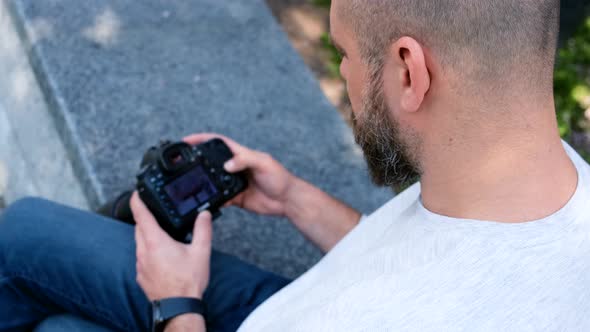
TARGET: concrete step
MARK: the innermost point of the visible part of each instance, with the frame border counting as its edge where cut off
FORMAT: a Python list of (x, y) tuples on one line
[(118, 76), (33, 160)]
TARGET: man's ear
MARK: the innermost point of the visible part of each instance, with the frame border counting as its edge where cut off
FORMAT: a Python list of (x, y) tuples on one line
[(411, 72)]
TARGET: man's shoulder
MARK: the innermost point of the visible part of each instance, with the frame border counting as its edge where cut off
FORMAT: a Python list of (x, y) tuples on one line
[(389, 212)]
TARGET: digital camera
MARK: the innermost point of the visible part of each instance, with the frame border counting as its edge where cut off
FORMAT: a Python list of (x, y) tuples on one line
[(177, 181)]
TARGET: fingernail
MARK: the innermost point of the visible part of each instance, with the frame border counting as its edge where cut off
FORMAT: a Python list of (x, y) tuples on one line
[(229, 165)]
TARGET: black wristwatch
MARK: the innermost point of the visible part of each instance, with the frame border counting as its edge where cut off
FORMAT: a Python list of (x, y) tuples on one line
[(165, 309)]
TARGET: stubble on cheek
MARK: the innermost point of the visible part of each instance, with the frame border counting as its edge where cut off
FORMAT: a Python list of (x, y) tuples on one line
[(390, 152)]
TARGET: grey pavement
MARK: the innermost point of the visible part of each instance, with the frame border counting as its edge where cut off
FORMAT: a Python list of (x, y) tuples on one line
[(119, 75)]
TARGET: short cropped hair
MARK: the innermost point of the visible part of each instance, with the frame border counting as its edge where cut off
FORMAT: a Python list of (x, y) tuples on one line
[(494, 36)]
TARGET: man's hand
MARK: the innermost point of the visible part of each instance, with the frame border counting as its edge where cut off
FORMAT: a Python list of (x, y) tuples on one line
[(165, 267), (269, 181), (273, 190)]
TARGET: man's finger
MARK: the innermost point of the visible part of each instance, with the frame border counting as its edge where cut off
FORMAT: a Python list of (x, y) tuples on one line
[(203, 137), (195, 139), (236, 201), (229, 203), (248, 160), (244, 158), (203, 232), (139, 241)]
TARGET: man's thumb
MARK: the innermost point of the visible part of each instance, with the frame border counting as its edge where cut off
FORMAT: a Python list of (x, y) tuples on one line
[(202, 231)]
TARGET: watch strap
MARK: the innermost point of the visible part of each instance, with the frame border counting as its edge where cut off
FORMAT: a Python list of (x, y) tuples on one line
[(175, 306)]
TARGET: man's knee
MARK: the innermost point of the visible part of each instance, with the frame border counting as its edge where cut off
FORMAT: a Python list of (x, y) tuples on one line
[(19, 216), (38, 219), (21, 206), (68, 323), (39, 236), (35, 228)]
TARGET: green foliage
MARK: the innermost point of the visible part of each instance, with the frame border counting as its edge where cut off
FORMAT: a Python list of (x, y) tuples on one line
[(572, 82), (322, 3), (335, 58)]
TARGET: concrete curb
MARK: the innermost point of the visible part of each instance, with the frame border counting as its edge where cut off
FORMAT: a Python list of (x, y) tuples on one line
[(33, 160)]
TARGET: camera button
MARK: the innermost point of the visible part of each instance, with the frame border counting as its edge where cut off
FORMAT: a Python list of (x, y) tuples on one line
[(227, 180), (212, 170), (204, 207), (226, 192)]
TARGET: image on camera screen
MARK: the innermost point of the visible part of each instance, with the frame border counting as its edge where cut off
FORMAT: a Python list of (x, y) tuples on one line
[(190, 190)]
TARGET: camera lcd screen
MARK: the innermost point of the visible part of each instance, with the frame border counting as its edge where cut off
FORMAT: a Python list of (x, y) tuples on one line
[(190, 190)]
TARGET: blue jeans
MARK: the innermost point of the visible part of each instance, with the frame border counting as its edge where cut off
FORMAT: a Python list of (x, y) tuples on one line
[(62, 269)]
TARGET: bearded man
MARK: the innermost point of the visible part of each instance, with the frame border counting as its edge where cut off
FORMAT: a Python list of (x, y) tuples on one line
[(493, 237)]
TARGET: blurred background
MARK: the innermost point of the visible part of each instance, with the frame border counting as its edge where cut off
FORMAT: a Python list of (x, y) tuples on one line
[(307, 24)]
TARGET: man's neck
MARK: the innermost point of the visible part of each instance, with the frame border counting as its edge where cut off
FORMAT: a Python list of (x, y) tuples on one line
[(506, 175)]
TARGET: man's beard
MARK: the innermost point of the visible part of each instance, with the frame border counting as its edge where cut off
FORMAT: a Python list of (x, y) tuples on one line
[(390, 152)]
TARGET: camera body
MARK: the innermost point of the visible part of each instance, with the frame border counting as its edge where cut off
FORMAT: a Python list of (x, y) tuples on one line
[(177, 181)]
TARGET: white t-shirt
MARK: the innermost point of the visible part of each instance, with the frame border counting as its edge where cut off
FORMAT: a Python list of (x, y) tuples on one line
[(404, 268)]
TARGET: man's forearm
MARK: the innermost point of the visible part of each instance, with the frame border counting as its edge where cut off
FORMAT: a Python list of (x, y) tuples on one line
[(187, 323), (323, 219)]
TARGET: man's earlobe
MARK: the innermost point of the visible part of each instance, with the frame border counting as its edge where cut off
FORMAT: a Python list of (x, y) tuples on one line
[(409, 102), (415, 77)]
